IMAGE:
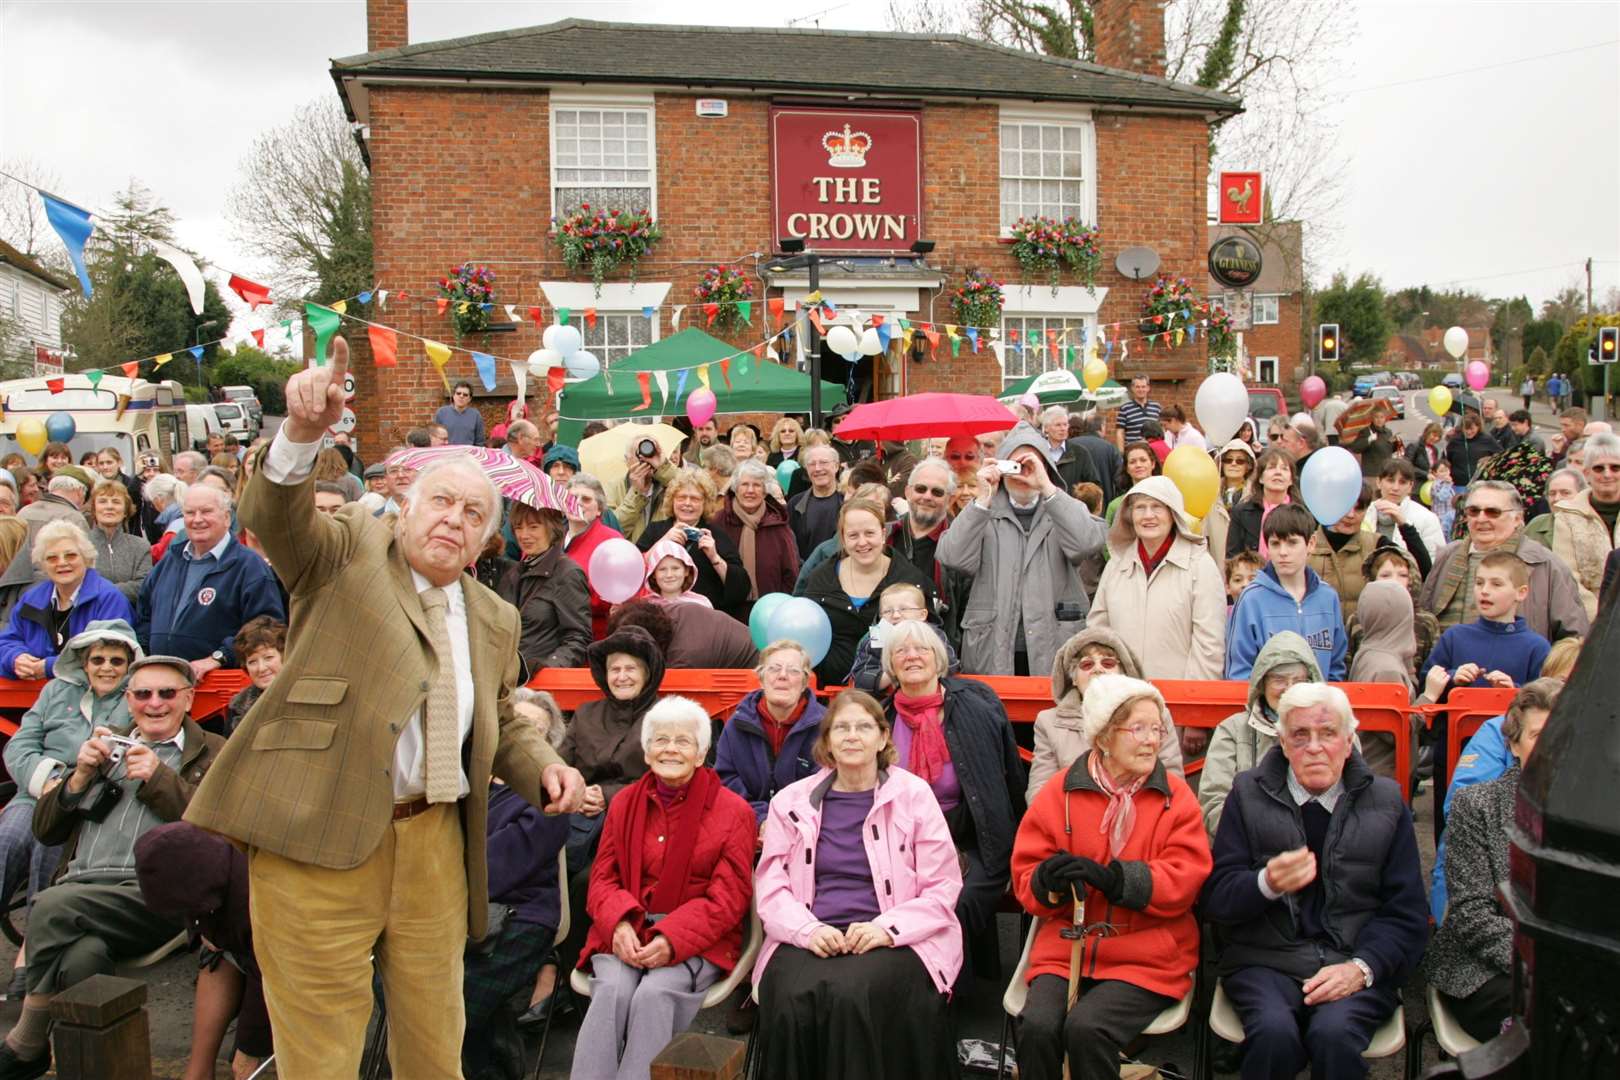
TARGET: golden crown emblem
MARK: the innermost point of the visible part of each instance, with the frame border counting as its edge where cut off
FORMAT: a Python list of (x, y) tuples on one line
[(846, 149)]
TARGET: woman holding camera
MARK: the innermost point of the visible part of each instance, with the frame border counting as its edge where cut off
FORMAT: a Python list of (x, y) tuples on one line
[(689, 499)]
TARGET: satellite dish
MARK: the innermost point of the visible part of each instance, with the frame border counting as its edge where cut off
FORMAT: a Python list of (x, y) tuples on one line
[(1137, 262)]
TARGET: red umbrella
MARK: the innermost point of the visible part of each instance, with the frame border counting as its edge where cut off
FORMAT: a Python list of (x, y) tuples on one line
[(925, 416), (512, 478)]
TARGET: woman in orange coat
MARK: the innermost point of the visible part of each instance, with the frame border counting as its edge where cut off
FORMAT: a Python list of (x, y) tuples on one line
[(1125, 837)]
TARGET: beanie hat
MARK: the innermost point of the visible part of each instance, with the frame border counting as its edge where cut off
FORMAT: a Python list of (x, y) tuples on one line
[(1104, 696)]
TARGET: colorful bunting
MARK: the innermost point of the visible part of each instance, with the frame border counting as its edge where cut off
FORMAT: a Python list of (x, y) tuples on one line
[(443, 304), (131, 369), (680, 385), (323, 322), (56, 386), (384, 346), (186, 268), (196, 352), (725, 371), (590, 317), (485, 364), (252, 293), (94, 378), (649, 313), (675, 317), (159, 361), (745, 308), (563, 315), (365, 297), (258, 338), (774, 304), (534, 316), (74, 227), (340, 306), (703, 376), (556, 379), (709, 312), (644, 379), (438, 353)]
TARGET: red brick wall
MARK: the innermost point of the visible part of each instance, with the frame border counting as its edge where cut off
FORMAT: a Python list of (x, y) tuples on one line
[(1130, 35), (460, 174), (1281, 340), (386, 24)]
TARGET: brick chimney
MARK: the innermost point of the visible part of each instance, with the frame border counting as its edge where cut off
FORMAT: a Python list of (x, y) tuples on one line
[(388, 24), (1129, 35)]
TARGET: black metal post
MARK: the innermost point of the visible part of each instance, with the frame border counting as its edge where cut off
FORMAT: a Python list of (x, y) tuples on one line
[(812, 340)]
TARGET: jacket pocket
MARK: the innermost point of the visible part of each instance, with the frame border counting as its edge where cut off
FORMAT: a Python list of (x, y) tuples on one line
[(295, 733), (317, 690)]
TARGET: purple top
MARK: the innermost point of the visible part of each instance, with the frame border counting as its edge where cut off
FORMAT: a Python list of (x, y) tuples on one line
[(844, 892), (947, 789)]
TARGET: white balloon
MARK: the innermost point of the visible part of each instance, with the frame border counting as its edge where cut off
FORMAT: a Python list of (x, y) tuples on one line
[(869, 344), (562, 338), (843, 340), (1222, 404), (582, 365), (1456, 342), (542, 361)]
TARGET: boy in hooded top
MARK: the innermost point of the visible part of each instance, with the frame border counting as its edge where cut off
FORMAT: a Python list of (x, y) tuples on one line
[(1287, 595)]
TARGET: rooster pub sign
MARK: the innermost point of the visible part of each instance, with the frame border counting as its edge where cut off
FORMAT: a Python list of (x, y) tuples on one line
[(847, 179), (1241, 201)]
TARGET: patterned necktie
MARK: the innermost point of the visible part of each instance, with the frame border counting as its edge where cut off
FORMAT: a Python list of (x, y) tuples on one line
[(441, 719)]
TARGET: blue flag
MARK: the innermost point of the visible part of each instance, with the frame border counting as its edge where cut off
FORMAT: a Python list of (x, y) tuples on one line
[(73, 225), (485, 364), (648, 312), (365, 297), (885, 334), (680, 385)]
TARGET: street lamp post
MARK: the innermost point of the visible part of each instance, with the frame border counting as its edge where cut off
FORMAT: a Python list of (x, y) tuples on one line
[(196, 339)]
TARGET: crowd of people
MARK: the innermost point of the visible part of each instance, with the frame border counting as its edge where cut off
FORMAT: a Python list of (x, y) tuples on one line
[(845, 850)]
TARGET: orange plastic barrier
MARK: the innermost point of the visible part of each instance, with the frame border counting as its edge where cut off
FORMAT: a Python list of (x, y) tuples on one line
[(718, 690), (212, 695), (1468, 708)]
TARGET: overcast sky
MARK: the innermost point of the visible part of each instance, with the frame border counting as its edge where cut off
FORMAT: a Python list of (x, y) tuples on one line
[(1503, 179)]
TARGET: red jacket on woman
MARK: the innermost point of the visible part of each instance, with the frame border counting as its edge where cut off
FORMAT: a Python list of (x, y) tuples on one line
[(579, 549), (1154, 943), (708, 922)]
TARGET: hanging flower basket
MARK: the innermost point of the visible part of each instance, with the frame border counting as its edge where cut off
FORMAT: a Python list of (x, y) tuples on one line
[(1222, 341), (977, 301), (1170, 305), (605, 240), (470, 288), (1044, 245), (727, 290)]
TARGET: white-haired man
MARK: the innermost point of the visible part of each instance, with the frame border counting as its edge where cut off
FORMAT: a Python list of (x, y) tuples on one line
[(1314, 967), (1586, 526), (201, 593), (359, 783)]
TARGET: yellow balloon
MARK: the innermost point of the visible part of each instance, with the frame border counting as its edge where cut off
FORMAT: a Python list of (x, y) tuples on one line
[(1440, 400), (1194, 473), (1095, 373), (31, 435)]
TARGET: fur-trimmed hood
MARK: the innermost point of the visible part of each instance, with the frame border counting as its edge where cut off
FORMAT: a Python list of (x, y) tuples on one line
[(1064, 693)]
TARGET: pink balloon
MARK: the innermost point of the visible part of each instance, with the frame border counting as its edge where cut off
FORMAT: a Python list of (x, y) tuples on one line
[(700, 405), (1312, 391), (616, 572), (1478, 374)]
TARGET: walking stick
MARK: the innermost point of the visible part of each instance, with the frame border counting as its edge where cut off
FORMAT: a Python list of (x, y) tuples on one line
[(1076, 934)]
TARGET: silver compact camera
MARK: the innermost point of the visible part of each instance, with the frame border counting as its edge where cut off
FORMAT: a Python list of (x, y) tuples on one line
[(117, 744)]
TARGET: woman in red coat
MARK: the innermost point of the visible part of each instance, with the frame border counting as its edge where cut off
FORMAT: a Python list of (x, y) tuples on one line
[(758, 525), (668, 898), (585, 531), (1126, 838)]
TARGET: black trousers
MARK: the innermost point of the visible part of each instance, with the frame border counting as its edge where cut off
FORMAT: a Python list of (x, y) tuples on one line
[(1482, 1012), (1107, 1015)]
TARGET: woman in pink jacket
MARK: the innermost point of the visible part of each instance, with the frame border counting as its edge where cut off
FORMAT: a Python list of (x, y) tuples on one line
[(856, 888)]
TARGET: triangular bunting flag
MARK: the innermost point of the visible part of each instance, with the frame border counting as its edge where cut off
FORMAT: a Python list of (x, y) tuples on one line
[(258, 338), (463, 306), (680, 385), (186, 268), (534, 316), (590, 317), (745, 308), (663, 387), (485, 364), (252, 293), (556, 379), (340, 306), (439, 354), (196, 352), (520, 375), (703, 375), (973, 337), (511, 312), (159, 361), (56, 386), (365, 297), (73, 225), (774, 305), (725, 371), (323, 322), (443, 304), (563, 315), (649, 312), (675, 317), (709, 312), (885, 334), (131, 369), (384, 346), (94, 378), (956, 345), (382, 299), (644, 379)]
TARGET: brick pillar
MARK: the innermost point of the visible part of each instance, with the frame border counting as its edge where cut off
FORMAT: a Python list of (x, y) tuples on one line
[(1129, 35), (388, 24)]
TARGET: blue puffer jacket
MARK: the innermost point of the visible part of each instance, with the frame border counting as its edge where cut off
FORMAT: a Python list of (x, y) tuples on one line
[(27, 632), (743, 756), (1265, 608), (1484, 757), (238, 587)]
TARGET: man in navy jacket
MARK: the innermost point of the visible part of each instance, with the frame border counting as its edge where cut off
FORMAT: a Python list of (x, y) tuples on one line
[(197, 598), (1312, 964)]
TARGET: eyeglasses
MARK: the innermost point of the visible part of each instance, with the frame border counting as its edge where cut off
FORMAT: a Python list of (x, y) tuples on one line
[(782, 669), (925, 489), (167, 693), (1605, 470), (1234, 459), (1092, 663), (1492, 512), (109, 661), (1144, 732), (679, 742), (902, 612)]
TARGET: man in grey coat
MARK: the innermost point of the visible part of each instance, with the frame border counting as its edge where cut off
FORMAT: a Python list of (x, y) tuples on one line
[(1022, 541)]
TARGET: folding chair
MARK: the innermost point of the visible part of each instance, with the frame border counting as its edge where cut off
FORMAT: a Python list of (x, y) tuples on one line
[(1224, 1022), (753, 939)]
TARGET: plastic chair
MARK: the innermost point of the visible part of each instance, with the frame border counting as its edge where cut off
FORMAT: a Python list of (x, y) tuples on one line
[(1012, 1004), (1449, 1035), (753, 939), (160, 953), (1224, 1022)]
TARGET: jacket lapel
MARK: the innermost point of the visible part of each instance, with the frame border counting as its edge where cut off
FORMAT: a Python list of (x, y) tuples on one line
[(405, 589)]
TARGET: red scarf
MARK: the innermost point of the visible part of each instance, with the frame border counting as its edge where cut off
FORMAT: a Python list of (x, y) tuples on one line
[(1120, 817), (776, 732), (925, 715), (685, 818), (1151, 563)]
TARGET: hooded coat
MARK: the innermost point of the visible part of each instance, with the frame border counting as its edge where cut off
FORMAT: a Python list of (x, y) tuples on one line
[(1388, 644), (1425, 627), (1175, 618), (669, 549), (1583, 540), (849, 623), (730, 594), (1022, 580), (1243, 738), (1060, 735), (604, 741), (554, 603), (98, 600), (67, 711), (1265, 608)]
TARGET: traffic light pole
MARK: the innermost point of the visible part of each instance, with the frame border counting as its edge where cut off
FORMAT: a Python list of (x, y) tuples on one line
[(812, 339)]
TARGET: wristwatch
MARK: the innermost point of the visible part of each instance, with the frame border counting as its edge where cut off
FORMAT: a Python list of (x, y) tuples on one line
[(218, 657), (1366, 972)]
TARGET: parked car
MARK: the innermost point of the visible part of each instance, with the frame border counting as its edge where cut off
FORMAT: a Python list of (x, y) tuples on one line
[(1453, 381), (1394, 396), (245, 397), (234, 420), (1363, 386), (1266, 402), (1408, 380)]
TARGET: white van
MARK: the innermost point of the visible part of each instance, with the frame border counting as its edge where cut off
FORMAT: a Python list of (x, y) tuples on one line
[(131, 415), (202, 421)]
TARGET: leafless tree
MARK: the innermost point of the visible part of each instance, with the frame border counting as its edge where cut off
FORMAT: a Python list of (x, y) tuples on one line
[(22, 214)]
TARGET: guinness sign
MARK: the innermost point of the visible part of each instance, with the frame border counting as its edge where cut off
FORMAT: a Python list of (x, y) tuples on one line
[(1234, 261)]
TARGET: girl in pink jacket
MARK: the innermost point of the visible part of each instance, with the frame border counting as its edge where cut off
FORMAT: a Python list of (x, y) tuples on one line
[(856, 888)]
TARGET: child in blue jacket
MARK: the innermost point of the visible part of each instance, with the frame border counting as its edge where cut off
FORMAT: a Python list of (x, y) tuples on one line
[(1287, 595)]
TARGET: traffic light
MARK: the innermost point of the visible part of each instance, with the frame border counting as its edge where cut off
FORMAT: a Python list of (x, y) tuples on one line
[(1608, 344), (1327, 342)]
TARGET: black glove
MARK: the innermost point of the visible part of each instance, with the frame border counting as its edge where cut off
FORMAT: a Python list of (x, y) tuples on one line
[(1108, 880), (1056, 874)]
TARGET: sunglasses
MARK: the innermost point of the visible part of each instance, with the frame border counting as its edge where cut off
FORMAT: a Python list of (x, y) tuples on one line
[(167, 693), (1235, 459), (1604, 470), (1094, 663), (1492, 512), (108, 661), (924, 489)]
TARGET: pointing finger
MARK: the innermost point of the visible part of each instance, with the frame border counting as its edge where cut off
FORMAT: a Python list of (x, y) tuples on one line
[(340, 357)]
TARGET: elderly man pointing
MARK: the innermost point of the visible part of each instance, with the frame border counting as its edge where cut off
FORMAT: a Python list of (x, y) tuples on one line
[(359, 782)]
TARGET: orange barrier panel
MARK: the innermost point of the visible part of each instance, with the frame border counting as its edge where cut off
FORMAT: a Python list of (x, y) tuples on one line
[(718, 690), (213, 693), (1467, 709)]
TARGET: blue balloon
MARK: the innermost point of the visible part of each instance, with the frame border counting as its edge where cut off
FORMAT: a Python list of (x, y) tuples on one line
[(1331, 483), (785, 471), (59, 427), (801, 619), (759, 620)]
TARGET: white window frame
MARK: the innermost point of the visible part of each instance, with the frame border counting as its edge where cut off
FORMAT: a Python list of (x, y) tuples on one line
[(1275, 300), (627, 102), (1260, 363), (617, 300), (1067, 116)]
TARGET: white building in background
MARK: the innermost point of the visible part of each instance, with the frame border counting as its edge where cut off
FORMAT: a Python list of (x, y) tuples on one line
[(31, 301)]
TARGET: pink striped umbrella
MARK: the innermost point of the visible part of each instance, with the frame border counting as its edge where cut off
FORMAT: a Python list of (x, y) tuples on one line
[(513, 478)]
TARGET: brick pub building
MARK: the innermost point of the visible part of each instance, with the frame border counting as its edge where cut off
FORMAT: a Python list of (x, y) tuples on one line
[(475, 144)]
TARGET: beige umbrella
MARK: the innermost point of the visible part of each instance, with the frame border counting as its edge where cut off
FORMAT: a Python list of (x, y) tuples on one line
[(603, 455)]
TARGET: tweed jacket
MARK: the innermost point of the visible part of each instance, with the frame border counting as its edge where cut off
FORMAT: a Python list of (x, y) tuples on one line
[(309, 774)]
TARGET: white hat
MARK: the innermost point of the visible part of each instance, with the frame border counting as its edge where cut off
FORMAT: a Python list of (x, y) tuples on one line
[(1104, 696)]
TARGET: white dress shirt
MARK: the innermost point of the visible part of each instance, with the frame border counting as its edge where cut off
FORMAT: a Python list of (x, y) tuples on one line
[(289, 462)]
